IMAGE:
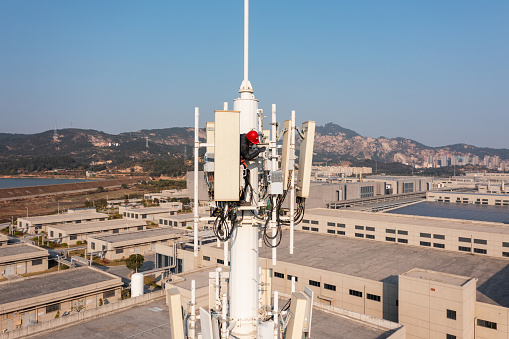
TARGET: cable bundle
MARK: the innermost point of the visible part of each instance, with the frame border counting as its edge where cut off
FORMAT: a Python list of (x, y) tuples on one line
[(224, 212)]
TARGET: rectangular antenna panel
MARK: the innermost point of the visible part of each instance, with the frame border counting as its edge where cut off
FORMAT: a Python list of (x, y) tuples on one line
[(227, 155), (306, 159), (285, 159), (295, 328), (175, 308), (210, 137)]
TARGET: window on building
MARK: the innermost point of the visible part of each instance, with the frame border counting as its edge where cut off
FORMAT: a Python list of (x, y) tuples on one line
[(314, 222), (289, 277), (425, 243), (314, 283), (367, 191), (109, 294), (115, 231), (314, 229), (329, 287), (390, 239), (462, 239), (480, 250), (331, 224), (373, 297), (402, 232), (369, 228), (505, 244), (403, 241), (370, 236), (119, 251), (439, 236), (220, 261), (305, 228), (305, 221), (357, 227), (140, 228), (52, 308), (73, 237), (343, 226), (425, 235), (51, 234), (160, 221), (166, 222), (464, 249), (438, 245), (144, 216), (206, 258), (505, 254), (488, 324), (341, 232), (451, 314), (450, 336), (480, 241), (359, 235), (390, 230), (92, 245), (331, 231), (125, 214), (408, 187), (279, 275), (355, 293), (36, 262)]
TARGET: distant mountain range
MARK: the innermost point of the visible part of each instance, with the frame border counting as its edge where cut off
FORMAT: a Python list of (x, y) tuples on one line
[(333, 144)]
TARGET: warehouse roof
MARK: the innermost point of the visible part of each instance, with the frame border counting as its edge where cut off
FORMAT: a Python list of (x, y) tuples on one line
[(98, 226), (57, 218), (21, 251), (140, 235), (381, 261)]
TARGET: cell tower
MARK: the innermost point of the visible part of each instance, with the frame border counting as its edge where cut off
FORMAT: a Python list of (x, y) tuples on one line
[(247, 197), (55, 134), (146, 141)]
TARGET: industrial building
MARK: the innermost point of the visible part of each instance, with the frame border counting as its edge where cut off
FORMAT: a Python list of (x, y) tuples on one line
[(151, 214), (71, 233), (118, 246), (22, 258), (34, 225), (403, 184), (176, 220), (475, 237), (44, 297), (168, 195), (433, 293), (469, 198)]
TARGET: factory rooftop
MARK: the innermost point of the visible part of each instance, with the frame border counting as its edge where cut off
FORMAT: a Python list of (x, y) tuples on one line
[(152, 320), (21, 251), (132, 236), (64, 217), (423, 221), (43, 286), (382, 261), (487, 213), (150, 210), (98, 226)]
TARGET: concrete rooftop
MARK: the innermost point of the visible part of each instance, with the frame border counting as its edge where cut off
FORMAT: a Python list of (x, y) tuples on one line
[(95, 226), (18, 290), (152, 321), (128, 236), (381, 261), (10, 250), (45, 219)]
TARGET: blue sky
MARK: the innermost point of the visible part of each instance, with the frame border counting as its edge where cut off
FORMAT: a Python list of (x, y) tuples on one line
[(433, 71)]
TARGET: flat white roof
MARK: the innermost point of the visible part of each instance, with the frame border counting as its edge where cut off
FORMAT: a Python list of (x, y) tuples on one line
[(47, 219), (98, 226)]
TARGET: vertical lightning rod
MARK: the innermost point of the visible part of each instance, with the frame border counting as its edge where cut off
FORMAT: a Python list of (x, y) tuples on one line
[(292, 180), (195, 203)]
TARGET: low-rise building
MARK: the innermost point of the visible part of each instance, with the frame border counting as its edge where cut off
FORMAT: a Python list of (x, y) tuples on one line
[(403, 184), (4, 240), (44, 297), (176, 220), (34, 225), (151, 214), (71, 233), (476, 237), (118, 246), (22, 258), (469, 198)]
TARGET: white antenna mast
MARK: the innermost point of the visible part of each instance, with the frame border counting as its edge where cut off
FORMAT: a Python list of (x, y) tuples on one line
[(246, 85)]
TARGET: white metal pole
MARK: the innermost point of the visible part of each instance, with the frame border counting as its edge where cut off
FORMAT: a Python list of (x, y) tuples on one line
[(192, 323), (224, 332), (217, 295), (292, 176), (225, 105), (293, 284), (246, 41), (225, 253), (273, 148), (195, 207)]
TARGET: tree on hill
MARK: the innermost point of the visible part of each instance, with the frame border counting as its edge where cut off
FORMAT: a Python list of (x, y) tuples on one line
[(134, 262)]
